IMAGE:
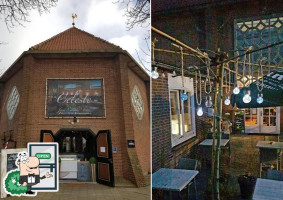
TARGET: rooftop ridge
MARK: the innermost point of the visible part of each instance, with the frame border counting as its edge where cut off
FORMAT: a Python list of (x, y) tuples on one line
[(41, 45)]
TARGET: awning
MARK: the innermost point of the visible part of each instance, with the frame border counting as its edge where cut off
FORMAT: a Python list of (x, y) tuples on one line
[(272, 92)]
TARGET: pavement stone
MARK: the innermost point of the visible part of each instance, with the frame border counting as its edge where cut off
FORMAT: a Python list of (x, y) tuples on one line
[(92, 191)]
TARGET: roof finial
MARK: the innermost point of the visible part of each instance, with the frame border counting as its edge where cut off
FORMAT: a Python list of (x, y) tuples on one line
[(74, 16)]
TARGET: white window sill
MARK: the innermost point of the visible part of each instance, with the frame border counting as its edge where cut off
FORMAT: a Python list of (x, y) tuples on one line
[(178, 140)]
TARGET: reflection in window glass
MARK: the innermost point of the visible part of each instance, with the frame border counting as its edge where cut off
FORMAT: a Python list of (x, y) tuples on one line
[(181, 121), (174, 112), (269, 116), (250, 116), (187, 114)]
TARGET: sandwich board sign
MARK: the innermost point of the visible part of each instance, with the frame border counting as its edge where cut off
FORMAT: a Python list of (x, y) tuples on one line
[(31, 170)]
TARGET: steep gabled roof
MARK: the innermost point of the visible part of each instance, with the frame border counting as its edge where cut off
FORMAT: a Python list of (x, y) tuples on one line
[(74, 39)]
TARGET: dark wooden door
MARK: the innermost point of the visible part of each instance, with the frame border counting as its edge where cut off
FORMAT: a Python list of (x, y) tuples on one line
[(104, 166), (46, 136)]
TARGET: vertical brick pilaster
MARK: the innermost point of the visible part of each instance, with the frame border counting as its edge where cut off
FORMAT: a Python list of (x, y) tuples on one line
[(135, 174), (22, 136)]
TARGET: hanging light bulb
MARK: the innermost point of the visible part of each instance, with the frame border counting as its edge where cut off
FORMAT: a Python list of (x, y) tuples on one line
[(154, 73), (200, 112), (227, 101), (208, 102), (259, 99), (236, 90), (184, 96), (174, 74), (247, 98)]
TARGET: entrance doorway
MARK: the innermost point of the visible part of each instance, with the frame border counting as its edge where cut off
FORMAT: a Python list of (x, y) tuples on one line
[(262, 120), (79, 145)]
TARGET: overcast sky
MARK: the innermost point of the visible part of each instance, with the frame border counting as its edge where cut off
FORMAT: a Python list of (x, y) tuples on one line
[(101, 18)]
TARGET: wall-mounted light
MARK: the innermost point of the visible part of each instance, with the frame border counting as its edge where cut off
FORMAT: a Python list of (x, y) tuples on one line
[(74, 121)]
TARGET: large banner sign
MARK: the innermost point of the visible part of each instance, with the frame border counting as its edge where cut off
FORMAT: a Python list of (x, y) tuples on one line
[(75, 97)]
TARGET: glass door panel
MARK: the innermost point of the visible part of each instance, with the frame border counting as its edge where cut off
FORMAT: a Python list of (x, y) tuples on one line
[(270, 120), (251, 120)]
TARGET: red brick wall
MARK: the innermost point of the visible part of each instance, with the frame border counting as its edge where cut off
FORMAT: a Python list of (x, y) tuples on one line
[(163, 155), (32, 80), (198, 27), (141, 127), (5, 123)]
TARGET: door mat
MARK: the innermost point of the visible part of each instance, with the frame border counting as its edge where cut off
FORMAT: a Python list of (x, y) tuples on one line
[(75, 184)]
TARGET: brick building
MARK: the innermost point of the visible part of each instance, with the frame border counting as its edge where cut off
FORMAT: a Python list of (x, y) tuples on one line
[(70, 87), (209, 25)]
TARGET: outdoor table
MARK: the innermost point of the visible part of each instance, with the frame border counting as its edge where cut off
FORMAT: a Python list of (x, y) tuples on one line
[(173, 179), (208, 142), (205, 144), (268, 189), (263, 145)]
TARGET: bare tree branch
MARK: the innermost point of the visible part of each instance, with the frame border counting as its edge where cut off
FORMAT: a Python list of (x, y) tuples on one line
[(137, 12), (15, 12)]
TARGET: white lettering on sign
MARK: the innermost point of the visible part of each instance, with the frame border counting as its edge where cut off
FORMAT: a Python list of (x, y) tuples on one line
[(102, 149), (69, 98)]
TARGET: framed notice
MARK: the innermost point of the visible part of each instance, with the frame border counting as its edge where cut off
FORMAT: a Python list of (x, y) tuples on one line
[(75, 97), (8, 159)]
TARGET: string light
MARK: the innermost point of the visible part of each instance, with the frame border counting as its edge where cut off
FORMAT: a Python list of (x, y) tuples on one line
[(208, 101), (259, 99), (154, 73), (199, 111), (236, 89), (184, 96), (227, 100), (247, 97)]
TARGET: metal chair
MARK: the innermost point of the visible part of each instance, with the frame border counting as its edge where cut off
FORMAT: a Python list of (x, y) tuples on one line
[(267, 158), (189, 164), (274, 175)]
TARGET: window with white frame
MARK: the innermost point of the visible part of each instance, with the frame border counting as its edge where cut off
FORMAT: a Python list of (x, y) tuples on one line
[(182, 112)]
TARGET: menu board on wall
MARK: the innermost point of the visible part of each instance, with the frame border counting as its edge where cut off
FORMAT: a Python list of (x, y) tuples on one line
[(75, 97), (11, 161), (239, 121)]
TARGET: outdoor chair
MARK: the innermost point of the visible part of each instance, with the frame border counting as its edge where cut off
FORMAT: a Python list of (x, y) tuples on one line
[(186, 163), (267, 159), (189, 164), (274, 175)]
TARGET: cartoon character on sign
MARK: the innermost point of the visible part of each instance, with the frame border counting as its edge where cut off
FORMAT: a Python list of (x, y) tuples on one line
[(19, 182)]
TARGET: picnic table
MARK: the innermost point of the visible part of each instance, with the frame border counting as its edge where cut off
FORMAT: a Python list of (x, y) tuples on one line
[(173, 179), (268, 189), (268, 149)]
